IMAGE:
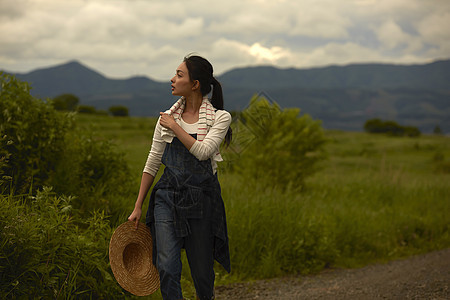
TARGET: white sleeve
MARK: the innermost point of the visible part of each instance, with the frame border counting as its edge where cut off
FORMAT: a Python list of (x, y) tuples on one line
[(210, 145), (154, 157)]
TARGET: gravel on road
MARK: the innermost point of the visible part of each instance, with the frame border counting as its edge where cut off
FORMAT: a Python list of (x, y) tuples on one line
[(419, 277)]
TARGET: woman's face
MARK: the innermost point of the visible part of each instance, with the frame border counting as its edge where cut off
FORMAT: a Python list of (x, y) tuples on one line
[(181, 83)]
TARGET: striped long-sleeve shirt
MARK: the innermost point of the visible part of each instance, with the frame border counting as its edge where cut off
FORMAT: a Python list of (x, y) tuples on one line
[(202, 150)]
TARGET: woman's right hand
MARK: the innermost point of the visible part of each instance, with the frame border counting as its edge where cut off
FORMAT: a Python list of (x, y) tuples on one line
[(135, 216), (146, 183)]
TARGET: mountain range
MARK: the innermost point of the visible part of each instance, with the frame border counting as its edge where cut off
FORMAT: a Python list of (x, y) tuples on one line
[(343, 97)]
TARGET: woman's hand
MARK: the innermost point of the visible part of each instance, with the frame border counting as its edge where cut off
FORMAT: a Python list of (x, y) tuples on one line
[(135, 216), (167, 121)]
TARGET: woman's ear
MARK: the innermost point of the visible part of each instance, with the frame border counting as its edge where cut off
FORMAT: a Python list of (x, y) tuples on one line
[(196, 85)]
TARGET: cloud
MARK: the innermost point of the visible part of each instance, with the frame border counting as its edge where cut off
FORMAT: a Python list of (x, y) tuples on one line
[(306, 18), (340, 54), (435, 31), (242, 54), (123, 38), (315, 21), (435, 28), (263, 54), (391, 36), (244, 19), (12, 9)]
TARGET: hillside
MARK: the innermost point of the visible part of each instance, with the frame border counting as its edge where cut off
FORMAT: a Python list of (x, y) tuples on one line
[(367, 76), (343, 97), (73, 77)]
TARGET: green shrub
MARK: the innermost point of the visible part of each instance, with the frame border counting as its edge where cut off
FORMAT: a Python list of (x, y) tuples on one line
[(46, 254), (119, 111), (65, 102), (276, 145), (87, 109), (95, 171), (437, 130), (391, 128), (40, 146), (32, 137)]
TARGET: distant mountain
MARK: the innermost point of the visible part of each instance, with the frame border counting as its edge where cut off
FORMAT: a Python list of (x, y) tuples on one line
[(343, 97), (73, 77), (368, 76), (141, 95)]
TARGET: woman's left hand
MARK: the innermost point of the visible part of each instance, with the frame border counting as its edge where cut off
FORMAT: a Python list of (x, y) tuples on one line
[(167, 120)]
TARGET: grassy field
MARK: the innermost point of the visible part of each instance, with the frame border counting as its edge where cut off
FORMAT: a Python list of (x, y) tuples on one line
[(375, 198)]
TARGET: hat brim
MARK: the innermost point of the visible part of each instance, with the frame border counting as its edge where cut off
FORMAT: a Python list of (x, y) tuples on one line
[(130, 257)]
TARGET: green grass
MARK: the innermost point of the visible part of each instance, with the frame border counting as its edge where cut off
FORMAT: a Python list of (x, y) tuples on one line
[(376, 198), (132, 135)]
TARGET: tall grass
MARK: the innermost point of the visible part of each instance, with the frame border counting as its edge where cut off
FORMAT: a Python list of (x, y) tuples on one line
[(131, 134), (376, 198), (48, 252)]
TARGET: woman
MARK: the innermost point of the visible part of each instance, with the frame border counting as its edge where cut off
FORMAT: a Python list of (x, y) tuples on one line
[(186, 209)]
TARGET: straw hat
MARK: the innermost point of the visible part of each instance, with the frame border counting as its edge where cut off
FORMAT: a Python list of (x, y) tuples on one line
[(130, 256)]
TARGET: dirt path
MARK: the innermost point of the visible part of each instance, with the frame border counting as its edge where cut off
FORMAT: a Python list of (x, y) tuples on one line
[(419, 277)]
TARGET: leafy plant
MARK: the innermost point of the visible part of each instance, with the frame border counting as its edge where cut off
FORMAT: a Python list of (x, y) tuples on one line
[(277, 146), (95, 171), (32, 137), (119, 111), (65, 102), (40, 146), (390, 127), (46, 252), (87, 109)]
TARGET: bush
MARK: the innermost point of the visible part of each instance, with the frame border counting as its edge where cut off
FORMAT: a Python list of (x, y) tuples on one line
[(390, 127), (45, 254), (119, 111), (55, 246), (95, 171), (40, 146), (437, 130), (277, 145), (32, 137), (87, 109), (65, 102), (411, 131)]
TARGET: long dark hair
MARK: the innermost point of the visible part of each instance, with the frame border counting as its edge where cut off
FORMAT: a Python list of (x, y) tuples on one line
[(201, 69)]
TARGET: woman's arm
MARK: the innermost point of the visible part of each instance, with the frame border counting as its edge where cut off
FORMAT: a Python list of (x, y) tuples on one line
[(156, 151), (169, 122), (215, 136), (146, 184), (206, 148), (148, 176)]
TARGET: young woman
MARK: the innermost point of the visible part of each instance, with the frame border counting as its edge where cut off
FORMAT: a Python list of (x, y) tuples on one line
[(186, 209)]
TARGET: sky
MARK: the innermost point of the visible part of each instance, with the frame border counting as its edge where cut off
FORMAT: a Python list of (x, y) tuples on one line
[(125, 38)]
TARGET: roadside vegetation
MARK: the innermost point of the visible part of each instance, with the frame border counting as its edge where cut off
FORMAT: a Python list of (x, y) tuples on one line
[(298, 198)]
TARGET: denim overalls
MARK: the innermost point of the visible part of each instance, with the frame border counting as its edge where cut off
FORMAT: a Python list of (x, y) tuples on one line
[(186, 210)]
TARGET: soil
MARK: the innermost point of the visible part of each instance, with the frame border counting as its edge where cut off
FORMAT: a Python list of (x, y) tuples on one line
[(419, 277)]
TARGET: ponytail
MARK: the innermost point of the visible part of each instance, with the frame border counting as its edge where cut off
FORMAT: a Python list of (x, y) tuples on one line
[(217, 102), (217, 94), (200, 69)]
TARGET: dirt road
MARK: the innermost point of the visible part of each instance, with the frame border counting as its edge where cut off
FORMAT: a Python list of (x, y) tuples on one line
[(419, 277)]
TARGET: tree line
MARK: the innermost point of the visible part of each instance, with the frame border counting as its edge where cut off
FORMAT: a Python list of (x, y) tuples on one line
[(390, 127), (70, 102)]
